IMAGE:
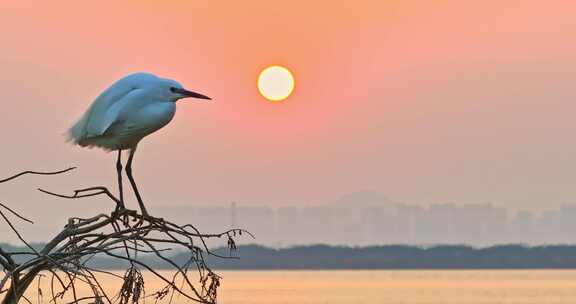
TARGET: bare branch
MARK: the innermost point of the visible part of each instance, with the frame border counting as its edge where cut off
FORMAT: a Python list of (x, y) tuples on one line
[(35, 173), (17, 233), (16, 213), (67, 257), (92, 191)]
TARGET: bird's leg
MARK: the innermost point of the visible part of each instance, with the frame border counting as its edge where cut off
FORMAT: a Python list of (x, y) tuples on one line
[(120, 190), (121, 206), (133, 183)]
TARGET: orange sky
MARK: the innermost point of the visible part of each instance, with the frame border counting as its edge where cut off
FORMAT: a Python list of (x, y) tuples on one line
[(425, 101)]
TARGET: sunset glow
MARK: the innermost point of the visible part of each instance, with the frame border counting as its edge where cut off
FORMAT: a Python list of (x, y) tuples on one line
[(424, 101)]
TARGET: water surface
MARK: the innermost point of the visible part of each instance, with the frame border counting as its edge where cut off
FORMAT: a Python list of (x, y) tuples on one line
[(382, 286), (414, 287)]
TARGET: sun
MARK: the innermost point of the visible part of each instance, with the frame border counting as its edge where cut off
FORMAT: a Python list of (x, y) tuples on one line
[(276, 83)]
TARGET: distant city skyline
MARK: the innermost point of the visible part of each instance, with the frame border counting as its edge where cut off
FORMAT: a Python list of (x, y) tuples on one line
[(355, 219), (365, 224)]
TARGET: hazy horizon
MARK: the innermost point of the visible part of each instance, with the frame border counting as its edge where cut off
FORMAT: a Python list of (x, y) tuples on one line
[(362, 218)]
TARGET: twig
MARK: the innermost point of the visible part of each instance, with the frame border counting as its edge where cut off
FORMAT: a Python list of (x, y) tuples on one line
[(36, 173), (79, 193), (16, 214)]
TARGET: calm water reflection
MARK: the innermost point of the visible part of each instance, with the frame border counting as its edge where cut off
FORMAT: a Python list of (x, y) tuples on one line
[(414, 287), (463, 287)]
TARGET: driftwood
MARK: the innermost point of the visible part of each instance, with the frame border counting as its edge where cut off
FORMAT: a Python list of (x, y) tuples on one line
[(122, 235)]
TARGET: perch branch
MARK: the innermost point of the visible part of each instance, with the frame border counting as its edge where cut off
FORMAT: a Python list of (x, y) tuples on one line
[(67, 258)]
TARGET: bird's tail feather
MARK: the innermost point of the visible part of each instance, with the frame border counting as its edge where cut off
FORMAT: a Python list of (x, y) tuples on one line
[(78, 131)]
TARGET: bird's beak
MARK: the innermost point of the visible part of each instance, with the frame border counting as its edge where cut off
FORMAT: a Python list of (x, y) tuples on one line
[(187, 94)]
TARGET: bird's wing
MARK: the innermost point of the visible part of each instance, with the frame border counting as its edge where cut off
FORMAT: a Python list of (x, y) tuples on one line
[(103, 112), (107, 107), (104, 117)]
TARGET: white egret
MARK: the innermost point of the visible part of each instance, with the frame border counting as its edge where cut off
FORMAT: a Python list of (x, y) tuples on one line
[(130, 109)]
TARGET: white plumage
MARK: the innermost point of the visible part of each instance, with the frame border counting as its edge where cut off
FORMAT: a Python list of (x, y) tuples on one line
[(130, 109)]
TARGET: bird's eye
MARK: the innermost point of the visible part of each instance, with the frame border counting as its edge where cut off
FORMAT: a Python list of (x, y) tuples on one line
[(173, 89)]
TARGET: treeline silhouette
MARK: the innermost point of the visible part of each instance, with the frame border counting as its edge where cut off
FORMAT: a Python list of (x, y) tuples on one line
[(378, 257)]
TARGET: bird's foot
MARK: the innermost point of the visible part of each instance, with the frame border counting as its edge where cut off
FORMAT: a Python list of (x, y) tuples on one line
[(142, 217), (124, 214)]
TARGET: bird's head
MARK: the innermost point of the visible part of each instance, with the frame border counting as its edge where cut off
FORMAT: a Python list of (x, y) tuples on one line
[(170, 90), (175, 91), (161, 89)]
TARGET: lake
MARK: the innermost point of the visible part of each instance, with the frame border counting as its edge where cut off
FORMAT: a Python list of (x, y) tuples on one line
[(462, 287), (382, 286)]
